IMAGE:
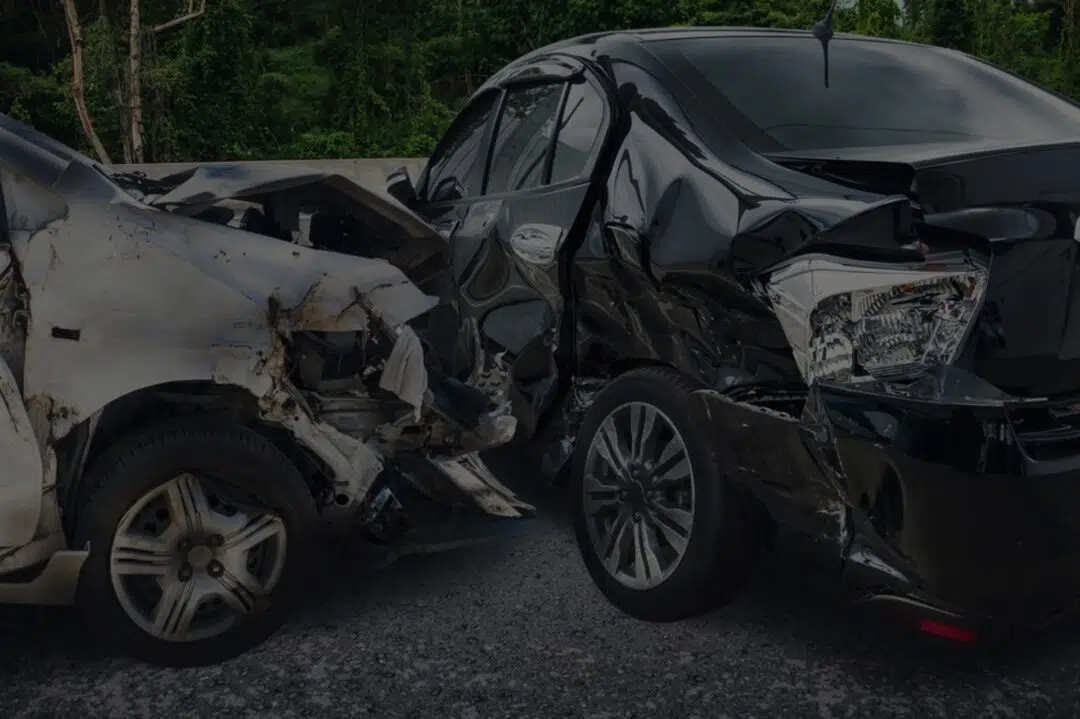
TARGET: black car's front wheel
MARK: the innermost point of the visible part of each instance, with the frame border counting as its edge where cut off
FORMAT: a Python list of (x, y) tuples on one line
[(661, 534)]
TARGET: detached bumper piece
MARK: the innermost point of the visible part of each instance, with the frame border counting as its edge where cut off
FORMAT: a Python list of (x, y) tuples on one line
[(424, 505)]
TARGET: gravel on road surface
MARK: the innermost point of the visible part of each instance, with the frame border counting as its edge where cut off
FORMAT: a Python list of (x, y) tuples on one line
[(516, 629)]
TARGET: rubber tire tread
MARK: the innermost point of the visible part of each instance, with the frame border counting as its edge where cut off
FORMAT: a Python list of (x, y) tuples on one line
[(148, 458), (718, 558)]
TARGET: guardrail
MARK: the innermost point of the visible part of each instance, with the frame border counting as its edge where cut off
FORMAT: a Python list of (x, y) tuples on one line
[(367, 172)]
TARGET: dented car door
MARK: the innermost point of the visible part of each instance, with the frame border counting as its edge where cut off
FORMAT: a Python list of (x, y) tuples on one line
[(508, 230)]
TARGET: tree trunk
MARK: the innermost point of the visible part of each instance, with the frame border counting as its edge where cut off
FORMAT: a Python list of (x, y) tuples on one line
[(192, 13), (71, 15), (135, 119)]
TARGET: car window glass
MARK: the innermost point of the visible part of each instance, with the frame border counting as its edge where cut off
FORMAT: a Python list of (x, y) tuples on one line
[(451, 176), (522, 137), (579, 133)]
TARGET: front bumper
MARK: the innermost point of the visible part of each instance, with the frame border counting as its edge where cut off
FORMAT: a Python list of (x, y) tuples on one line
[(971, 510)]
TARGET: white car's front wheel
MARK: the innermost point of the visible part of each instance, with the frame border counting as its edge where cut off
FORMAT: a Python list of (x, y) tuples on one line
[(199, 537)]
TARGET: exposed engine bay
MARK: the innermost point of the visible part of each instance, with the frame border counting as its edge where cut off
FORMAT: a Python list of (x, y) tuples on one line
[(353, 380)]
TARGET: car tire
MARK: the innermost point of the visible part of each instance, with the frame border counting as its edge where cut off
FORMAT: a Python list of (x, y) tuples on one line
[(716, 549), (145, 541)]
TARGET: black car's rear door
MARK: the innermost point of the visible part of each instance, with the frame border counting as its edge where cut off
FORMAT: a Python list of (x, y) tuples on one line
[(542, 143)]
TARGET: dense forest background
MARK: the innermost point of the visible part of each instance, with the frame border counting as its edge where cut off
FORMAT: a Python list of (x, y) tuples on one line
[(182, 80)]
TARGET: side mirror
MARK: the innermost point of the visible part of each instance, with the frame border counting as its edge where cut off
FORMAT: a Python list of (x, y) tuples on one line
[(400, 186)]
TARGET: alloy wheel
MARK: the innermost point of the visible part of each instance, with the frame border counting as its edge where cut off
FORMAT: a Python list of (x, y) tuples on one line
[(638, 494)]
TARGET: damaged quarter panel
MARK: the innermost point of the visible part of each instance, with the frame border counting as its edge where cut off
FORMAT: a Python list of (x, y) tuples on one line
[(657, 281), (665, 273), (661, 272)]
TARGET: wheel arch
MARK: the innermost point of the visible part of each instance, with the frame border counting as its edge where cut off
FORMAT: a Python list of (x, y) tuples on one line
[(760, 517), (222, 403)]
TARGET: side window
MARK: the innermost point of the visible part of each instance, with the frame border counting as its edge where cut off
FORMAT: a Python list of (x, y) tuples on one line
[(522, 137), (451, 176), (580, 131)]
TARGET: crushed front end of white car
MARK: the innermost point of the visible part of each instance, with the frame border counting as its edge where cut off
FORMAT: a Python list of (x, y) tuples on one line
[(194, 367)]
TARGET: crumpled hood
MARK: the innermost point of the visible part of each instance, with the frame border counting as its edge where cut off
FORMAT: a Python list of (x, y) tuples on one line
[(188, 299), (205, 185), (309, 289)]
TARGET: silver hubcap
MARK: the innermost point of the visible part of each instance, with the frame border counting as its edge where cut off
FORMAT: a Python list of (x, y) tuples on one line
[(186, 563), (639, 495)]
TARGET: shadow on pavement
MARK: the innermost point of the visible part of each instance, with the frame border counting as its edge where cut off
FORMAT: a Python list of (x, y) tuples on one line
[(774, 612)]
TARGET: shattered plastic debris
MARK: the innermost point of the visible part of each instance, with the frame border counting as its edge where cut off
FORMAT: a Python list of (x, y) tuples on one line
[(400, 374)]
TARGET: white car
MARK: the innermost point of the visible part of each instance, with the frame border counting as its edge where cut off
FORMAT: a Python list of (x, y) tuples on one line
[(190, 374)]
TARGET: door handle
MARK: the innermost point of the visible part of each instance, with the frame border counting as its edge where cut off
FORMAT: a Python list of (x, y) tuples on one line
[(447, 229), (536, 243)]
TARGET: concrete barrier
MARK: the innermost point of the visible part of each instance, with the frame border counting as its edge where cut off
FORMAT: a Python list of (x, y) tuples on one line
[(369, 172)]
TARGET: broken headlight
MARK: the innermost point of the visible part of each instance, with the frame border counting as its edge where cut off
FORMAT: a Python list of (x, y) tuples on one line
[(851, 321)]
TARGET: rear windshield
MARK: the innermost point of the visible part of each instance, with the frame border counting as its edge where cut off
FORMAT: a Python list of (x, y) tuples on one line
[(770, 91)]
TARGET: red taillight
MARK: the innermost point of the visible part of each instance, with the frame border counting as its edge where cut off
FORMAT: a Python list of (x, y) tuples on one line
[(948, 631)]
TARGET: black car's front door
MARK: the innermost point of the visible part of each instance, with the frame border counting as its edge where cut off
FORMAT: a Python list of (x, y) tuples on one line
[(507, 240)]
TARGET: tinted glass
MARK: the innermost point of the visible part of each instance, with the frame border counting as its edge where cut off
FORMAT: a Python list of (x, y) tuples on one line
[(771, 93), (579, 133), (522, 138), (451, 176)]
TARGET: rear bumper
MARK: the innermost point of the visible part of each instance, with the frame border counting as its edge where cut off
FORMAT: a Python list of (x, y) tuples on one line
[(970, 510), (960, 624)]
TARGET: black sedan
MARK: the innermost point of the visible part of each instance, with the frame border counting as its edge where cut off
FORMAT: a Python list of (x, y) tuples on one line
[(755, 296)]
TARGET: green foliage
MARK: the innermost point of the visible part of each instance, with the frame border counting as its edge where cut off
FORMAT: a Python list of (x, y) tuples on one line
[(338, 78)]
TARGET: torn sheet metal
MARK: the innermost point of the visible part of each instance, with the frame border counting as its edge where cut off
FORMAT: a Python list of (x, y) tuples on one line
[(762, 444), (208, 184), (866, 558), (471, 475), (225, 293), (153, 297), (21, 480)]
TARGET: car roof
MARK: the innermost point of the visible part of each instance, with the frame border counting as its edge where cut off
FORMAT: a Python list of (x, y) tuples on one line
[(628, 45), (584, 44)]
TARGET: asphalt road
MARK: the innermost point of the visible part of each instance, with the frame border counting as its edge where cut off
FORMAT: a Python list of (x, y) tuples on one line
[(516, 629)]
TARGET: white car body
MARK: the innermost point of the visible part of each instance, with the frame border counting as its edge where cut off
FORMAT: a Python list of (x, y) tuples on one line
[(105, 294)]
